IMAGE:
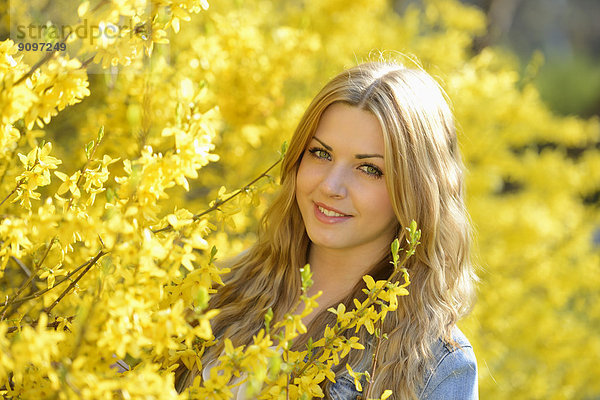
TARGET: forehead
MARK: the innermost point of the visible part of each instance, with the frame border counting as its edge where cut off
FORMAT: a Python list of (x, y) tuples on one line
[(343, 125)]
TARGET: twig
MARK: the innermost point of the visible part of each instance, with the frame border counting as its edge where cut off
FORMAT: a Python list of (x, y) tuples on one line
[(87, 62), (144, 131), (68, 289), (22, 180), (79, 340), (102, 3), (85, 325), (21, 265), (374, 364), (38, 64), (287, 387), (41, 62), (218, 204), (50, 54), (287, 378), (83, 169), (27, 281), (54, 324), (43, 291), (221, 202)]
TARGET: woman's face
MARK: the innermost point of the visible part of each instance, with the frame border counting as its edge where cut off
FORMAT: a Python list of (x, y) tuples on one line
[(340, 187)]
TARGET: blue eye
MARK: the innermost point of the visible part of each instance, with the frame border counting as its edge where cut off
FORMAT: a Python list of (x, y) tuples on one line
[(371, 170), (320, 153)]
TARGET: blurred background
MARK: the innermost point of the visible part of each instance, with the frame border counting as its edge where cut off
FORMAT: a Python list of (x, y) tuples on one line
[(565, 32)]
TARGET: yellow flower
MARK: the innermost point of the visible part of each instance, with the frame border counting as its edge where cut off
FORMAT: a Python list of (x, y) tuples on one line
[(9, 137), (356, 377), (50, 274), (40, 157), (69, 183)]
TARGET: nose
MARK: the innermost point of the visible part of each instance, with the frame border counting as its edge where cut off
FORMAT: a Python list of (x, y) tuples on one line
[(334, 183)]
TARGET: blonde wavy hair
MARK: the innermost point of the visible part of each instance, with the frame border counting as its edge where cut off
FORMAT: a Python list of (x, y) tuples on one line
[(424, 176)]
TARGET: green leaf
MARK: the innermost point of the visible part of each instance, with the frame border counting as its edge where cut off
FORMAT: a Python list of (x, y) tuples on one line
[(274, 366), (100, 134), (110, 195), (201, 298), (306, 276), (213, 253), (283, 149), (107, 265), (131, 361), (395, 246), (414, 234), (268, 319), (310, 345), (88, 149)]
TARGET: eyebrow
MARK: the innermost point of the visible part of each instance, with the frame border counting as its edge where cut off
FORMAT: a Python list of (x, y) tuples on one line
[(359, 156)]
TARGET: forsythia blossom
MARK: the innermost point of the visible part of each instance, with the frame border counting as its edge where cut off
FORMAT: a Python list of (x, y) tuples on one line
[(114, 259)]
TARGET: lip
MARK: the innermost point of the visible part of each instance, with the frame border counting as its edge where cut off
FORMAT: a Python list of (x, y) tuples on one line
[(326, 218)]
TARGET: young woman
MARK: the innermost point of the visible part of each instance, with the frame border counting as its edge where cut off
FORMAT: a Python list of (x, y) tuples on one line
[(375, 149)]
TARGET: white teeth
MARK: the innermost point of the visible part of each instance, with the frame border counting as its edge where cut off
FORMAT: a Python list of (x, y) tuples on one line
[(330, 213)]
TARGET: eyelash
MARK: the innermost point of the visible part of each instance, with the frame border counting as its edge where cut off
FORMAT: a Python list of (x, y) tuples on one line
[(376, 174), (314, 150)]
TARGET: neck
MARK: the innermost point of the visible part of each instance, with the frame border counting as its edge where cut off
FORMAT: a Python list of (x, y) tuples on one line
[(336, 271)]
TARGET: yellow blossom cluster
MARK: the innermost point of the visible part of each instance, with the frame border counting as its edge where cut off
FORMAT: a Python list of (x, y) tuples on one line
[(268, 371), (117, 189)]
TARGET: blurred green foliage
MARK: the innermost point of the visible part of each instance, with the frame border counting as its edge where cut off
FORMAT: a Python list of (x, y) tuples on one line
[(571, 86)]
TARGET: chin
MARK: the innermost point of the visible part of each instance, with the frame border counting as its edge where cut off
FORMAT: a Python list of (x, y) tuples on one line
[(328, 242)]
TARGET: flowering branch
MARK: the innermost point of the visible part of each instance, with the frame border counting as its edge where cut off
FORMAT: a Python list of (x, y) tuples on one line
[(50, 54), (68, 289), (413, 241), (58, 322), (15, 301), (28, 281), (21, 181), (39, 293), (219, 203), (90, 150)]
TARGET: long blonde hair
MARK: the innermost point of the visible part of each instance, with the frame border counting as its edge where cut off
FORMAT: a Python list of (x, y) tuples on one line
[(424, 175)]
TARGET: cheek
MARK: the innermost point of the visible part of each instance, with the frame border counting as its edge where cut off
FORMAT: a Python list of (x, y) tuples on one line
[(305, 178), (380, 204)]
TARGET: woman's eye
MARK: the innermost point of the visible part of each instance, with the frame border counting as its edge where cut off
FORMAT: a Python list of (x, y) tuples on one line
[(320, 153), (371, 170)]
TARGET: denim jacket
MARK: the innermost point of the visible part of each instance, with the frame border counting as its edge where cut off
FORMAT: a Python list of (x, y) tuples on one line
[(453, 375)]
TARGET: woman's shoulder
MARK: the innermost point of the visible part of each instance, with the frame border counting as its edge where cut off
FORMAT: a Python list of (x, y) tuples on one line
[(442, 348), (453, 373)]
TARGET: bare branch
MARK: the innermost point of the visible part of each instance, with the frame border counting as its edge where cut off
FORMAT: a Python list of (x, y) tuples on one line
[(21, 265), (72, 285), (374, 363), (43, 291), (27, 281)]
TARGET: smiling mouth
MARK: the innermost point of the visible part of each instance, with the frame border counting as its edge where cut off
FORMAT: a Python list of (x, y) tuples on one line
[(331, 213)]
